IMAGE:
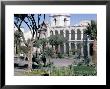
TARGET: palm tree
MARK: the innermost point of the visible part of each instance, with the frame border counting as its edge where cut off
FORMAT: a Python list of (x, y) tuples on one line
[(91, 31)]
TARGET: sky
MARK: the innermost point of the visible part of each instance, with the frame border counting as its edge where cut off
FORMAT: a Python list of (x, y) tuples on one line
[(75, 18)]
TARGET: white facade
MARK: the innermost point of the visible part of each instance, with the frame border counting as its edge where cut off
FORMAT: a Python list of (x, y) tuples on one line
[(60, 24), (74, 33), (60, 20)]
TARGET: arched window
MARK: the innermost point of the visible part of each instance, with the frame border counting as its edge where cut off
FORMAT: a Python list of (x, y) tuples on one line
[(56, 32), (51, 32), (67, 34), (67, 48), (79, 48), (62, 33), (72, 46), (55, 20), (62, 48), (72, 35), (78, 34)]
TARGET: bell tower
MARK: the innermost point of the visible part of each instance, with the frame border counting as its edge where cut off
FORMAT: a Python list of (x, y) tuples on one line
[(58, 20)]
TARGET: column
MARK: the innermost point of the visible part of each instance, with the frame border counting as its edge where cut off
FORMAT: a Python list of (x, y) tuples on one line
[(82, 50), (58, 31), (75, 34), (88, 49), (69, 34), (69, 46), (82, 34), (59, 45), (53, 32), (64, 43), (75, 47), (69, 39)]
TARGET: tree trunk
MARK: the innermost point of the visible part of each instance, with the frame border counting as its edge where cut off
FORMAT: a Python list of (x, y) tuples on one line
[(30, 57), (16, 49), (94, 57), (52, 47), (56, 49)]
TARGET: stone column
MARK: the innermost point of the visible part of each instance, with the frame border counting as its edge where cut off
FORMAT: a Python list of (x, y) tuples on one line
[(69, 39), (82, 34), (64, 43), (82, 50), (75, 47), (59, 45), (88, 49), (58, 31), (69, 34), (69, 46), (53, 32), (75, 34)]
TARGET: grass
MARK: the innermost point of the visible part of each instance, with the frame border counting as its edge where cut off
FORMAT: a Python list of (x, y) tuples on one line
[(65, 71), (84, 71)]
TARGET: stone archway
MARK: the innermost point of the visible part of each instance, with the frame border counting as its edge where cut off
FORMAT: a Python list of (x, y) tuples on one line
[(51, 32), (78, 34), (56, 32), (72, 35)]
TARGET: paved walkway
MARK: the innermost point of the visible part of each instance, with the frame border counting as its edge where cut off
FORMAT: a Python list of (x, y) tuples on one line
[(57, 62), (61, 62)]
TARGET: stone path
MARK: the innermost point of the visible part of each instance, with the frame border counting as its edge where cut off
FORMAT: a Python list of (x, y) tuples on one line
[(57, 62), (62, 62)]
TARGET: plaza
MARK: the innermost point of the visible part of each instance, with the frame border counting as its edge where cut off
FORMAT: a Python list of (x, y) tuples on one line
[(54, 45)]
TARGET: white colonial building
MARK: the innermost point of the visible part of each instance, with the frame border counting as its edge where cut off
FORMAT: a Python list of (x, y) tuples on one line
[(60, 24)]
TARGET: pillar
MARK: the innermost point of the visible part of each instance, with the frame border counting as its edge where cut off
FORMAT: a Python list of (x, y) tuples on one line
[(82, 50), (88, 49), (82, 34), (75, 34), (64, 43), (69, 46), (53, 32), (75, 47), (69, 39)]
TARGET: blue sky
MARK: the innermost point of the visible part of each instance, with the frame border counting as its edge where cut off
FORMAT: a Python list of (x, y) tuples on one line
[(75, 18)]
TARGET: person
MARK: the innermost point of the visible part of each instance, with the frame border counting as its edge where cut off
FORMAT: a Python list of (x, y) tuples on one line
[(26, 59), (33, 58), (44, 60)]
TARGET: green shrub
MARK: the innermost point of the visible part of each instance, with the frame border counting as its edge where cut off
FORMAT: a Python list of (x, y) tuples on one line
[(60, 55)]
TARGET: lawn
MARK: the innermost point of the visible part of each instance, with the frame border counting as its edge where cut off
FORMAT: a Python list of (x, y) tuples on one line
[(64, 71)]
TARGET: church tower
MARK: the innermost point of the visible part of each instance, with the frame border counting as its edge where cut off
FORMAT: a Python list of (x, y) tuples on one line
[(59, 20)]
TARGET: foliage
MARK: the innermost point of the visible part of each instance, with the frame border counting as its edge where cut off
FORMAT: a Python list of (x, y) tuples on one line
[(91, 30), (17, 40), (84, 71), (56, 40), (30, 21), (24, 49), (37, 43), (73, 51), (64, 71), (49, 51), (60, 55)]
